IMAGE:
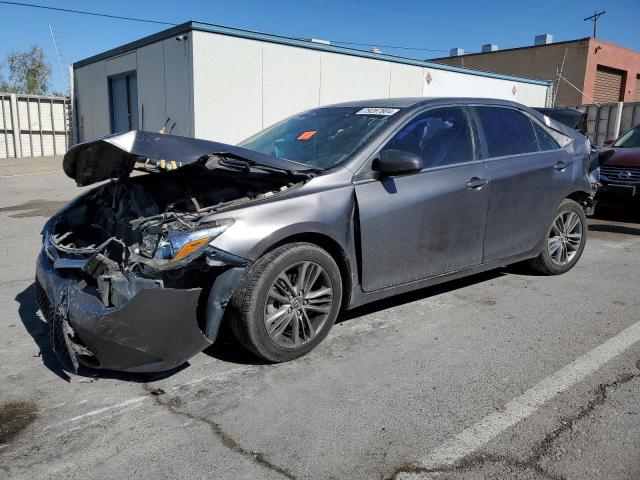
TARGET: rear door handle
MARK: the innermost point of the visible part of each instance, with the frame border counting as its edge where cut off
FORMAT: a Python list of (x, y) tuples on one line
[(477, 183), (560, 165)]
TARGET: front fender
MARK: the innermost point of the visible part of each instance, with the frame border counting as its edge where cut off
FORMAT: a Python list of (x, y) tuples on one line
[(257, 227)]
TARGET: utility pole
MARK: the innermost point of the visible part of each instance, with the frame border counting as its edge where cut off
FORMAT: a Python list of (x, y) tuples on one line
[(594, 18)]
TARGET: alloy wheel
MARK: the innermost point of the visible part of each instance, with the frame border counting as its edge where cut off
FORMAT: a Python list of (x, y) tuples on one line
[(298, 304), (565, 238)]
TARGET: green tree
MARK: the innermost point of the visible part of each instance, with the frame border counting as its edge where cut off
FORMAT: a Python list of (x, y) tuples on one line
[(28, 72)]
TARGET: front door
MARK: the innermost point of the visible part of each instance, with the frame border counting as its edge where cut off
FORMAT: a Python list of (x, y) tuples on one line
[(431, 222)]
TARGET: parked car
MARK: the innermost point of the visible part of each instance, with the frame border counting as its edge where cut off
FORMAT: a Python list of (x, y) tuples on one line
[(327, 210), (620, 171)]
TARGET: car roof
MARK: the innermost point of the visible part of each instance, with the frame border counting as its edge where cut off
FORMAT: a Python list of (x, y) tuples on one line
[(414, 102)]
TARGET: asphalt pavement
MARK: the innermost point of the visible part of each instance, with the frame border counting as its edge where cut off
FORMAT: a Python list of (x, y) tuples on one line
[(503, 375)]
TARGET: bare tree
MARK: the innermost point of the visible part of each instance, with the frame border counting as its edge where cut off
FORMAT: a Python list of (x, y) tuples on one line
[(29, 72)]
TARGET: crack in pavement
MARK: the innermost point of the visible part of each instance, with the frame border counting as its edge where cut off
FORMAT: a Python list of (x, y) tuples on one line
[(538, 450), (227, 440)]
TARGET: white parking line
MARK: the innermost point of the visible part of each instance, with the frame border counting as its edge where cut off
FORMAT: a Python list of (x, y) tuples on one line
[(474, 437), (29, 174), (100, 411)]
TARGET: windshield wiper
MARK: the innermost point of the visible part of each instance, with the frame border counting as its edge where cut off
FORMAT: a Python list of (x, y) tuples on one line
[(234, 160)]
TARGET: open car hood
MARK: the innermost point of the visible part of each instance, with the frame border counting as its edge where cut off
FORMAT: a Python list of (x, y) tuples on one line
[(114, 156)]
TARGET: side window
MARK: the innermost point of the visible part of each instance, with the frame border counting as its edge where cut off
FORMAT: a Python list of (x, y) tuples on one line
[(440, 136), (507, 131), (545, 141)]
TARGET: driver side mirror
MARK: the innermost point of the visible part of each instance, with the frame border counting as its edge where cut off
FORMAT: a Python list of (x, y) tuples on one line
[(397, 162)]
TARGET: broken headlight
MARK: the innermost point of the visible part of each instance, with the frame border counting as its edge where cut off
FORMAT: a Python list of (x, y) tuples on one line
[(177, 245)]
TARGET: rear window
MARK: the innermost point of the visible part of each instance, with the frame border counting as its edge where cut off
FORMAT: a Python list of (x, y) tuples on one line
[(507, 131), (321, 138)]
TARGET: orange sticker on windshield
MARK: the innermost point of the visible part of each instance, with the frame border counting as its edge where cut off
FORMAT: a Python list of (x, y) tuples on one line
[(307, 135)]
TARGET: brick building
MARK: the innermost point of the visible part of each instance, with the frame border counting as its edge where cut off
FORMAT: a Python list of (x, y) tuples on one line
[(604, 72)]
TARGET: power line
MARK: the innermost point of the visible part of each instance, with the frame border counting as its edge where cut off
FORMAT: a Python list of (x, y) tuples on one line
[(67, 10), (133, 19)]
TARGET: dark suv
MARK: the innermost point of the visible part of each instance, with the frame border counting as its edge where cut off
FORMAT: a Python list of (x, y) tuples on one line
[(327, 210), (620, 173)]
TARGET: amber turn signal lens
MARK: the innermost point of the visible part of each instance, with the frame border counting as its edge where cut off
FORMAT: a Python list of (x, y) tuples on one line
[(192, 247)]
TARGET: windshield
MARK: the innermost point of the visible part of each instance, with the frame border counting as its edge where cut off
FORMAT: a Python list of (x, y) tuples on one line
[(631, 139), (321, 138)]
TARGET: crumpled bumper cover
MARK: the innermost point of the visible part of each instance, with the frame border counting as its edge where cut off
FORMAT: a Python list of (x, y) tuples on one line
[(156, 330)]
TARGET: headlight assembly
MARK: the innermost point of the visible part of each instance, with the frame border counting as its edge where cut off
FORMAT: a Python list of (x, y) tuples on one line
[(178, 244)]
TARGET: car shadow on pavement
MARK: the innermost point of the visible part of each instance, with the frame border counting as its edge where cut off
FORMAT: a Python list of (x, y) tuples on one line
[(38, 328), (227, 349), (421, 294), (621, 219)]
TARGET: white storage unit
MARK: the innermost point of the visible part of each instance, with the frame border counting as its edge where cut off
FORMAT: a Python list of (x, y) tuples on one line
[(225, 84), (33, 125)]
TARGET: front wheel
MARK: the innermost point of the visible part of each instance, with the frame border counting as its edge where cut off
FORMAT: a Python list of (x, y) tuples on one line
[(565, 240), (287, 302)]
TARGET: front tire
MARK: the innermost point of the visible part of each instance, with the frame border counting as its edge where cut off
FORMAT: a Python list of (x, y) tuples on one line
[(564, 241), (287, 302)]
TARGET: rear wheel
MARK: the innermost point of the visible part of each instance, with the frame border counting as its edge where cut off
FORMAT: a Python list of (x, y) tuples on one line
[(287, 303), (565, 240)]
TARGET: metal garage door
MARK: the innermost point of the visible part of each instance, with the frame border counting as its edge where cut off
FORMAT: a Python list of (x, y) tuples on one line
[(608, 85)]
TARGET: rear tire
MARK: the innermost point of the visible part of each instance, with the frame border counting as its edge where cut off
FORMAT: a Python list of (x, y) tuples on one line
[(287, 302), (564, 241)]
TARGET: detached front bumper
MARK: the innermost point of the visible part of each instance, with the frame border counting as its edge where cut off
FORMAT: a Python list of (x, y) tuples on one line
[(156, 330)]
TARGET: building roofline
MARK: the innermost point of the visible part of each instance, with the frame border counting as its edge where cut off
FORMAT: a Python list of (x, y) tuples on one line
[(577, 40), (294, 42)]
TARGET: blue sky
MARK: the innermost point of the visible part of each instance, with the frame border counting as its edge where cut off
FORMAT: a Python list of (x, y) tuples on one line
[(413, 23)]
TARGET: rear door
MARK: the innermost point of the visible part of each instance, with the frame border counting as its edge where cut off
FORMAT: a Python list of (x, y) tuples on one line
[(428, 223), (530, 174)]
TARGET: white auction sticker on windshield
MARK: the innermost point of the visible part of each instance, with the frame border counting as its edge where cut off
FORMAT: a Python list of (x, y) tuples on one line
[(377, 111)]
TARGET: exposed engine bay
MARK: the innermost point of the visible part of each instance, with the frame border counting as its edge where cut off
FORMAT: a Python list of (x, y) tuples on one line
[(133, 230)]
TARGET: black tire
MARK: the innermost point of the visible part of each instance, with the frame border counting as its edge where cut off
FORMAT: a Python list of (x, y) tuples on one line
[(248, 306), (546, 264)]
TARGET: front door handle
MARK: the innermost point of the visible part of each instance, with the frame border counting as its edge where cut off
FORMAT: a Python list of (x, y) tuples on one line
[(477, 183), (560, 165)]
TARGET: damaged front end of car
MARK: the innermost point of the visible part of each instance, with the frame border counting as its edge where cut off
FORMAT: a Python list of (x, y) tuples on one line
[(128, 277)]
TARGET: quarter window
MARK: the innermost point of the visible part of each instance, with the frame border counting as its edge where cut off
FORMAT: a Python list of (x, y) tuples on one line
[(545, 141), (507, 131), (440, 136)]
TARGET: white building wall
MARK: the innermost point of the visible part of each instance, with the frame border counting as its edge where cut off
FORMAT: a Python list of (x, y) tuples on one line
[(442, 83), (178, 87), (344, 78), (242, 86), (291, 81), (92, 101), (406, 80), (227, 88), (164, 78), (152, 112)]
